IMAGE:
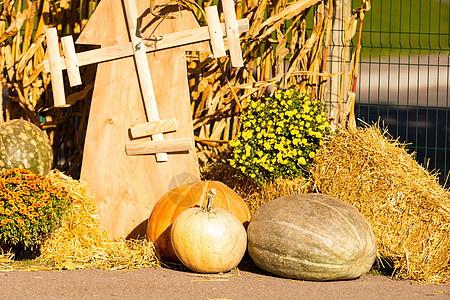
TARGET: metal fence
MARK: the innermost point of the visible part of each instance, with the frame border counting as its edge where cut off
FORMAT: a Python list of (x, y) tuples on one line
[(404, 76)]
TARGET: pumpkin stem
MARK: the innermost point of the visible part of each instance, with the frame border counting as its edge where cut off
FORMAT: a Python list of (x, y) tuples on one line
[(210, 196)]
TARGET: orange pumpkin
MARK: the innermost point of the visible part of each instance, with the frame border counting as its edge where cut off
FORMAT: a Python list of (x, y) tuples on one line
[(174, 202)]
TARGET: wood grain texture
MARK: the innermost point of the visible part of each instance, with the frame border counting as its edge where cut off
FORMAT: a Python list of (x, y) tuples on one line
[(59, 98), (215, 31), (71, 61), (149, 128), (176, 39), (231, 26), (127, 187), (143, 72), (151, 147)]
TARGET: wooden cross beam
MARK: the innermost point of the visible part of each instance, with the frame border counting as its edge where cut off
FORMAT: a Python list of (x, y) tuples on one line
[(125, 50), (71, 61)]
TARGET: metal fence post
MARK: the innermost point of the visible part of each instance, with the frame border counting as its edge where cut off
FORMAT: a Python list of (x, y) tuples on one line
[(336, 59)]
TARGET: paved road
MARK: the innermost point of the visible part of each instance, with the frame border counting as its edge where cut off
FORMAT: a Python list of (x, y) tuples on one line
[(163, 283)]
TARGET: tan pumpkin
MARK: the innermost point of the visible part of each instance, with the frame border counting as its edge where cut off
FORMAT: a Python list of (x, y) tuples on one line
[(177, 200), (208, 239)]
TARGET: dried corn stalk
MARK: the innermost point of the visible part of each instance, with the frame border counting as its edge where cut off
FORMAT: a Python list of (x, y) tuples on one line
[(25, 85), (284, 46), (278, 50)]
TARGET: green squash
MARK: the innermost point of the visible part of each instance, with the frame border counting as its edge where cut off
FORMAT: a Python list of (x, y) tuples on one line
[(311, 237), (24, 145)]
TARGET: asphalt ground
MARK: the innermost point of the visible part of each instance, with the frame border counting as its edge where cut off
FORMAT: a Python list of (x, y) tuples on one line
[(178, 283)]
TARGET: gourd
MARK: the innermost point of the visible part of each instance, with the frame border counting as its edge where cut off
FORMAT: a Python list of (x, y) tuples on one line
[(311, 237), (179, 199), (208, 239), (24, 145)]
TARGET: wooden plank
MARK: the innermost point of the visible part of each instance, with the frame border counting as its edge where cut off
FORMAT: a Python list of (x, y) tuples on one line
[(71, 61), (167, 41), (145, 80), (127, 187), (215, 32), (59, 98), (231, 26), (149, 128), (152, 147), (105, 54)]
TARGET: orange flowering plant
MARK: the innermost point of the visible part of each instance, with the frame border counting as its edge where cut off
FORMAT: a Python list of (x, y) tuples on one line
[(30, 207)]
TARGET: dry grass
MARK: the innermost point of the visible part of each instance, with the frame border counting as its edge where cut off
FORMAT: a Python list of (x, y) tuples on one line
[(80, 243), (277, 50), (408, 209)]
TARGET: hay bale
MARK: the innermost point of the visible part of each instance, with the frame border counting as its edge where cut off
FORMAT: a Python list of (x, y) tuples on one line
[(408, 209), (82, 243)]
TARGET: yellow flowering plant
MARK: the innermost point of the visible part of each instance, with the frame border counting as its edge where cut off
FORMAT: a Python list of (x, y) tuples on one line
[(31, 207), (279, 136)]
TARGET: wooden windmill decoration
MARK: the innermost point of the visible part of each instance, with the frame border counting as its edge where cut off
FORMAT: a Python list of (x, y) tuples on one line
[(141, 90)]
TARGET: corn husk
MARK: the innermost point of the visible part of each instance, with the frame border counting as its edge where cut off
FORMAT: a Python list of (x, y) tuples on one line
[(277, 50)]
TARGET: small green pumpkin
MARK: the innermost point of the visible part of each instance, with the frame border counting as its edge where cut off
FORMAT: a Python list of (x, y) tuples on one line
[(311, 237), (24, 145)]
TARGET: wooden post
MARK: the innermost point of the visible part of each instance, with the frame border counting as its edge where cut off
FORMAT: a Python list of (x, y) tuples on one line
[(59, 98), (145, 80), (71, 61), (232, 33), (215, 31)]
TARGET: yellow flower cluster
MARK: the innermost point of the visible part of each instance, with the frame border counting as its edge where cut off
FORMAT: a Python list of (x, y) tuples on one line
[(279, 136)]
